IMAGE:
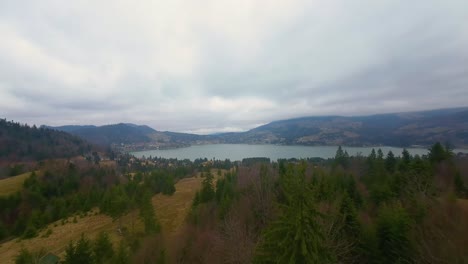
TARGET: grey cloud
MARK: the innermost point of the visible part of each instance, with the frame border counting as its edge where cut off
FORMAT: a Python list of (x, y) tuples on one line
[(215, 66)]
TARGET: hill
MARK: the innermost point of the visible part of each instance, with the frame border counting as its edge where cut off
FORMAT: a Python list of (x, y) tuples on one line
[(172, 211), (131, 136), (24, 143), (108, 134), (398, 129), (395, 129)]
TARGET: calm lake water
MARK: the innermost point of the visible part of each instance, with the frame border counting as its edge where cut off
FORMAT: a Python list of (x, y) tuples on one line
[(274, 152)]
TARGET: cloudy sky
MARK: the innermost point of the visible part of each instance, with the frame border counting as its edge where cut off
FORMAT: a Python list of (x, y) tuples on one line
[(219, 65)]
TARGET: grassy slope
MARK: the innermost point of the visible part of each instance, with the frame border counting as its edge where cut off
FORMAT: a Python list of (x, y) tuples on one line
[(12, 184), (61, 235), (171, 211)]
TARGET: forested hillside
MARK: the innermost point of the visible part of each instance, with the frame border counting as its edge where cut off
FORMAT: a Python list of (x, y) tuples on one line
[(397, 129), (108, 134), (20, 142), (131, 136), (62, 193)]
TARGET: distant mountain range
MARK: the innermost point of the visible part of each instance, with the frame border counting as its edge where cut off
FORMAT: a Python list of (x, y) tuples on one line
[(397, 129)]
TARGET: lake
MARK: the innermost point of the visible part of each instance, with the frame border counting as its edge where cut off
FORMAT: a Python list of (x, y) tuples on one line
[(274, 152)]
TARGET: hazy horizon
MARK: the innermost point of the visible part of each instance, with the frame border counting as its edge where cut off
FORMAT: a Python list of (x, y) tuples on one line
[(228, 131), (222, 66)]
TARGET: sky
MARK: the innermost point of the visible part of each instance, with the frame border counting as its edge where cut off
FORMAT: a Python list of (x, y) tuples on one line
[(218, 65)]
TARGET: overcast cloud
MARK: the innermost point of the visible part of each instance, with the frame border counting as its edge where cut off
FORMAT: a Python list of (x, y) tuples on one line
[(218, 65)]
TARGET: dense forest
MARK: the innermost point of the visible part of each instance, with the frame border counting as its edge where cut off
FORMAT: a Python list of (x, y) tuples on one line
[(20, 142), (384, 208), (376, 209)]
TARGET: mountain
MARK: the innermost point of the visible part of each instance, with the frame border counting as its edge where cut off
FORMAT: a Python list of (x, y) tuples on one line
[(20, 142), (131, 136), (108, 134), (396, 129)]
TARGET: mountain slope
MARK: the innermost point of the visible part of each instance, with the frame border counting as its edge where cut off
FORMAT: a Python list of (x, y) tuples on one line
[(141, 136), (397, 129), (108, 134), (20, 143), (400, 129)]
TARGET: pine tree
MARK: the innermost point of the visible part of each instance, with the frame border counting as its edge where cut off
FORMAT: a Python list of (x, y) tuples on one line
[(116, 203), (80, 253), (353, 192), (379, 154), (102, 248), (148, 216), (207, 192), (438, 153), (393, 228), (341, 157), (390, 162), (348, 211), (297, 236)]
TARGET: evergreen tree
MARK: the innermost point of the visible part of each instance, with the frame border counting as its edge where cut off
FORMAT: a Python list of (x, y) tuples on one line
[(393, 228), (207, 192), (390, 162), (379, 154), (116, 203), (350, 231), (102, 248), (81, 253), (341, 157), (405, 161), (438, 153), (225, 193), (348, 211), (297, 236), (371, 163), (148, 216), (372, 155), (352, 192), (380, 164)]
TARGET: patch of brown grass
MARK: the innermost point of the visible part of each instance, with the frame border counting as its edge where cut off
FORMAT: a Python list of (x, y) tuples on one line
[(172, 211), (13, 184), (61, 235)]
